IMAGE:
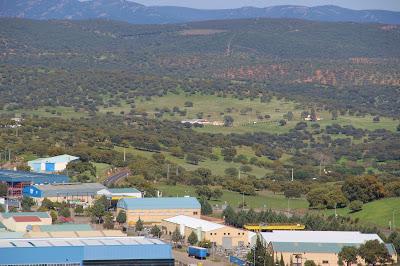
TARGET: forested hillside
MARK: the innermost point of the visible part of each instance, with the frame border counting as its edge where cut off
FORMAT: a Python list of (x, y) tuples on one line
[(129, 11), (267, 96), (345, 66)]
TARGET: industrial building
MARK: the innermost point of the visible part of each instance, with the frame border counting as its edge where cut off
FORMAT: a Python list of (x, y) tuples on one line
[(51, 164), (70, 230), (78, 193), (24, 221), (154, 210), (17, 180), (102, 251), (320, 246), (116, 194), (218, 234)]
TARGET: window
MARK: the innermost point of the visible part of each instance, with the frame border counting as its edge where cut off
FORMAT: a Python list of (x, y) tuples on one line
[(194, 213), (224, 234), (229, 234), (325, 262)]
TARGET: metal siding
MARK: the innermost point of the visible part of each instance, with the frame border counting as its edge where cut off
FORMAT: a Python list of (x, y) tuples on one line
[(36, 178), (37, 167), (136, 252), (41, 255)]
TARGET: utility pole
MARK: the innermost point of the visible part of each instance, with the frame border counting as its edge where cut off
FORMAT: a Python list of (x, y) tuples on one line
[(393, 224), (239, 173), (177, 171), (292, 175), (242, 200), (9, 155), (167, 171), (124, 155)]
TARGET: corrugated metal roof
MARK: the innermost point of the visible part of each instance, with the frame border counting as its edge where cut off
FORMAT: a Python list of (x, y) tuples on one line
[(65, 227), (194, 223), (60, 250), (75, 189), (159, 203), (56, 159), (310, 247), (35, 178), (12, 214), (8, 235), (318, 236), (25, 219), (391, 249), (123, 190)]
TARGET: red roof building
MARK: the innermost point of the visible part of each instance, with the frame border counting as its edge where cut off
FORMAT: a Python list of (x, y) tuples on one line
[(26, 219)]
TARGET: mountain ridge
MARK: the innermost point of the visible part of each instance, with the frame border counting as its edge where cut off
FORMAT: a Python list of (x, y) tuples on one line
[(135, 13)]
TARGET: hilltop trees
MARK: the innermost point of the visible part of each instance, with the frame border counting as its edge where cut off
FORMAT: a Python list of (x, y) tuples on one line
[(364, 188)]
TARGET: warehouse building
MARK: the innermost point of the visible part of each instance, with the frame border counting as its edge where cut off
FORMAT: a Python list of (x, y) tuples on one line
[(70, 230), (102, 251), (218, 234), (116, 194), (154, 210), (51, 164), (320, 246), (76, 193), (17, 180), (24, 221)]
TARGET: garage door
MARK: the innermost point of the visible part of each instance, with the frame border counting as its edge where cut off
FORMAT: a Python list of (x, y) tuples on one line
[(50, 167), (227, 242)]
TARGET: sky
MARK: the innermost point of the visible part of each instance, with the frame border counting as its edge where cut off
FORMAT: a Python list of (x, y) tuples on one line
[(219, 4)]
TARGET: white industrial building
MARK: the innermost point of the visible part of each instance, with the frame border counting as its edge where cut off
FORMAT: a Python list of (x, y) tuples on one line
[(119, 193), (51, 164)]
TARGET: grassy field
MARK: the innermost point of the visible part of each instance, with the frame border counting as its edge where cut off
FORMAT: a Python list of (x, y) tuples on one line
[(263, 199), (101, 169), (214, 108), (378, 212), (217, 167), (59, 111)]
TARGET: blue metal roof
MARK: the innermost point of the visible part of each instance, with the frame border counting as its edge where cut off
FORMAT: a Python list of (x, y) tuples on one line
[(76, 250), (158, 203), (65, 158), (38, 214), (65, 227), (35, 178)]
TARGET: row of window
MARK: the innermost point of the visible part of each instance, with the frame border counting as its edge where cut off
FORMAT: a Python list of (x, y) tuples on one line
[(228, 234)]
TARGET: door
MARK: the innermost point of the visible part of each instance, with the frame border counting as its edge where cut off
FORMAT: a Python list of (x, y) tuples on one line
[(227, 242), (50, 167)]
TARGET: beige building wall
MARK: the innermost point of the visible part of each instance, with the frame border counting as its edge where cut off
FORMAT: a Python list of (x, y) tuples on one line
[(87, 199), (238, 236), (322, 259), (156, 216)]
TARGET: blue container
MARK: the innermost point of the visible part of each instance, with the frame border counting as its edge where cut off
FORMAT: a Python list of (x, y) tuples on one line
[(197, 252)]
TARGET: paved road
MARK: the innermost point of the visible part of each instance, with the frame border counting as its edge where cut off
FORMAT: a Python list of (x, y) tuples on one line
[(115, 177), (183, 258)]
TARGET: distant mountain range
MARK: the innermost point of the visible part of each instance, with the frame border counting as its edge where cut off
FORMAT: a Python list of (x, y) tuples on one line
[(132, 12)]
